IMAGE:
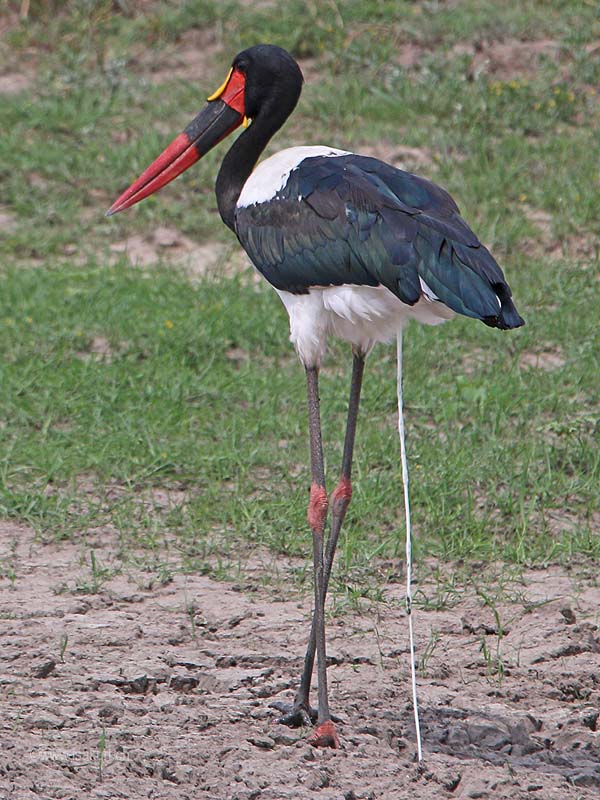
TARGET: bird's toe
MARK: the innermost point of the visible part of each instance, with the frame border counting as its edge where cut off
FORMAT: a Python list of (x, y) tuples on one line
[(295, 716), (324, 735)]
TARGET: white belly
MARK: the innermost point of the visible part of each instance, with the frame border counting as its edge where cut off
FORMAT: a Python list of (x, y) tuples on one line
[(360, 315)]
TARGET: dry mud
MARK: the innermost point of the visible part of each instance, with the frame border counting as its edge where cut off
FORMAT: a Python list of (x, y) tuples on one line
[(142, 690)]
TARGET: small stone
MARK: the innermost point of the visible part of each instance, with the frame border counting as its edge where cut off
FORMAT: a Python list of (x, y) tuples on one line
[(591, 720), (586, 779), (185, 661), (535, 723), (489, 736), (81, 607), (451, 783), (371, 730), (474, 789), (110, 712), (47, 723), (226, 661), (138, 685), (167, 773), (458, 737), (318, 779), (183, 683), (264, 742), (569, 615), (286, 739), (44, 669)]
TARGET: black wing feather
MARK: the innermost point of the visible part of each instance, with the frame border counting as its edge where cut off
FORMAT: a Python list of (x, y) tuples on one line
[(354, 219)]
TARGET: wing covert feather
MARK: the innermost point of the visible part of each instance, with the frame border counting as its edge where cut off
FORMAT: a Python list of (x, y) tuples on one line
[(356, 220)]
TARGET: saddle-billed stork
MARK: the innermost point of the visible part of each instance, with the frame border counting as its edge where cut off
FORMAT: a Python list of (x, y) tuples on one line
[(354, 247)]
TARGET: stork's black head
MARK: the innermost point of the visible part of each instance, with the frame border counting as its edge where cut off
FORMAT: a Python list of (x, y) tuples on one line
[(273, 80), (263, 84)]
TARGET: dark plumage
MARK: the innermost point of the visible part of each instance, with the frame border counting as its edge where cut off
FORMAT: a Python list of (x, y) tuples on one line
[(357, 220)]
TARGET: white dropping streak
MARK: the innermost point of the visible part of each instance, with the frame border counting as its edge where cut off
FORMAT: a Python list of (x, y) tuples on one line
[(413, 670)]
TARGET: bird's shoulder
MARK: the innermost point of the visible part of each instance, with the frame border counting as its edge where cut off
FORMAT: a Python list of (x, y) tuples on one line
[(369, 181), (347, 189)]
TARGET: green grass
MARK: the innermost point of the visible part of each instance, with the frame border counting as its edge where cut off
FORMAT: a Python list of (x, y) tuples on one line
[(504, 457)]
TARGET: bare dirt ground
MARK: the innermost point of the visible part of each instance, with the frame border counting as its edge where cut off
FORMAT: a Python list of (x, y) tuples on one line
[(169, 243), (142, 689), (136, 689)]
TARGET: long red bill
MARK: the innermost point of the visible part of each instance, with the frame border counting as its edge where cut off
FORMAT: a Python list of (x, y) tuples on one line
[(220, 117)]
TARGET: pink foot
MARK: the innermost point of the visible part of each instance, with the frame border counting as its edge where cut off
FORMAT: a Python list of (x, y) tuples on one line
[(324, 735)]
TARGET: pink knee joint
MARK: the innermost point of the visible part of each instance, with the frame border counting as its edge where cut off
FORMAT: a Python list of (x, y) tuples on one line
[(342, 494), (317, 508), (343, 491)]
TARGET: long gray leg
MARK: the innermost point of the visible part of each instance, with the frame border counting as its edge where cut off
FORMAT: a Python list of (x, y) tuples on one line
[(301, 713)]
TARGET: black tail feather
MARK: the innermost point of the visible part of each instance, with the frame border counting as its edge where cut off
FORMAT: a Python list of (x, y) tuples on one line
[(509, 317)]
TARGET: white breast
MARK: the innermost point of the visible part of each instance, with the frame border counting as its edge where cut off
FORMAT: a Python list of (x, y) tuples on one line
[(271, 174)]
